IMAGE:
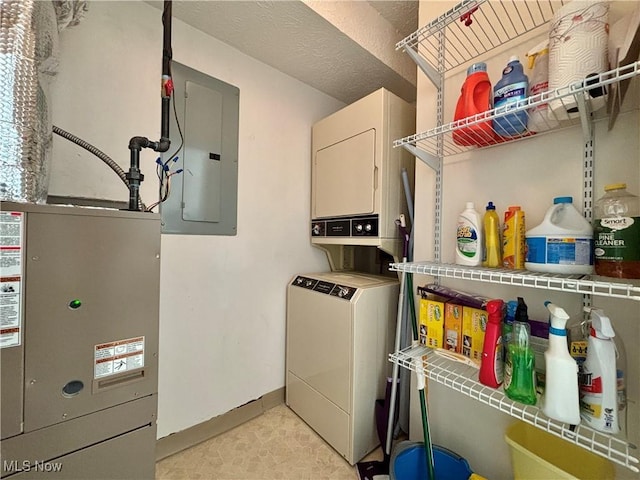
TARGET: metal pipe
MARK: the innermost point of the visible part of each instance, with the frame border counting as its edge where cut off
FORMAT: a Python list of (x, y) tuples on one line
[(136, 144)]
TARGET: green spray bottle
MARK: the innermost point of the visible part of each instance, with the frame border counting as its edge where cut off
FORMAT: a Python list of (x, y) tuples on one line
[(519, 372)]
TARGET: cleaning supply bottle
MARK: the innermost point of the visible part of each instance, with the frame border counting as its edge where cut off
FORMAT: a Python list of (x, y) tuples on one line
[(475, 98), (507, 326), (561, 400), (617, 233), (621, 382), (491, 366), (493, 246), (511, 88), (519, 368), (598, 387), (513, 238), (562, 243), (469, 237)]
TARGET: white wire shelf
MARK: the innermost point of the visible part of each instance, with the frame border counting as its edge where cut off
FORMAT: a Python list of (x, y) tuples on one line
[(583, 284), (481, 131), (463, 378), (472, 28)]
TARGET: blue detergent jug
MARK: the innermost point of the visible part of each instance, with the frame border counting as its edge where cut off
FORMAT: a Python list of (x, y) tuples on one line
[(512, 87)]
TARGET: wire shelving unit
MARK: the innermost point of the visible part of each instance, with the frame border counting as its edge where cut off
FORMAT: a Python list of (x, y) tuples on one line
[(460, 136), (469, 32), (584, 284), (463, 379)]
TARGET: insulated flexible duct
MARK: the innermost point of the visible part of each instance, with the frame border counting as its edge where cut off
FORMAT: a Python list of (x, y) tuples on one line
[(28, 47)]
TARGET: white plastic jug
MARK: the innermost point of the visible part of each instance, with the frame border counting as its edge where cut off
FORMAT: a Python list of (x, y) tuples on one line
[(562, 243)]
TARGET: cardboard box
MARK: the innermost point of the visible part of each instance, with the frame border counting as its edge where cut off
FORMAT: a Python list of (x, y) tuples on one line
[(453, 327), (474, 324), (431, 321)]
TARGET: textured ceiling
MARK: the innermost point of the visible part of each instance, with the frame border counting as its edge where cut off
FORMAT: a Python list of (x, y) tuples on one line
[(345, 49)]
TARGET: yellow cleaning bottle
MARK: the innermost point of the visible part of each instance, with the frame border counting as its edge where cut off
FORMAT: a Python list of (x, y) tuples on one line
[(493, 245)]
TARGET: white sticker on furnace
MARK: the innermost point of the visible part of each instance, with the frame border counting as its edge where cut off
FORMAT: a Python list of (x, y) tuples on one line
[(11, 239), (116, 357)]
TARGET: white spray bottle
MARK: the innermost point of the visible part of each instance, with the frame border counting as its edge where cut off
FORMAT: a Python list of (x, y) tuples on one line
[(561, 394), (598, 386)]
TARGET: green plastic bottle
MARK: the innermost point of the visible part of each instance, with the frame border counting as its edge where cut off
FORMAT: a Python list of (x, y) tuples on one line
[(519, 372)]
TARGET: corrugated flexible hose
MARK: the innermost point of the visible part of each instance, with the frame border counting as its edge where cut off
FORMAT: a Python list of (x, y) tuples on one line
[(98, 153)]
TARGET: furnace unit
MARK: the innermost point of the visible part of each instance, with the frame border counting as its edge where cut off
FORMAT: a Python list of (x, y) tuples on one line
[(79, 337)]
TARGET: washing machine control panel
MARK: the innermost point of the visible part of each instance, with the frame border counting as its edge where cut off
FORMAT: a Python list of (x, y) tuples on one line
[(328, 288)]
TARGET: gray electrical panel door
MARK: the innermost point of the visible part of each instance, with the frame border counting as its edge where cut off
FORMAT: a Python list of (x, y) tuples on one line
[(202, 162), (203, 198)]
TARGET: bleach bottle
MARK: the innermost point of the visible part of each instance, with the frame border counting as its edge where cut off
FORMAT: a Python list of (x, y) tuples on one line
[(598, 386), (562, 243), (512, 87), (561, 398)]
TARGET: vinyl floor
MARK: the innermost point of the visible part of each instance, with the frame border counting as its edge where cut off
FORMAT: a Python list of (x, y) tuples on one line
[(277, 445)]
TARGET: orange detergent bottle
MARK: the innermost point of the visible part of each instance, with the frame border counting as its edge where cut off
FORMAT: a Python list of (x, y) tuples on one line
[(475, 98)]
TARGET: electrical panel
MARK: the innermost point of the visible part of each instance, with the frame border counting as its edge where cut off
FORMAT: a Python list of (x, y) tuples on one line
[(204, 197)]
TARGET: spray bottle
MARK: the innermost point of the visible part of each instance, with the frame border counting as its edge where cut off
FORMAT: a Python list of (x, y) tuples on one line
[(561, 399), (598, 386), (519, 371), (492, 367)]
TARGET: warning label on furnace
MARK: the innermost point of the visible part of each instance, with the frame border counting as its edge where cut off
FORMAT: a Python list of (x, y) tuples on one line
[(117, 357), (11, 228)]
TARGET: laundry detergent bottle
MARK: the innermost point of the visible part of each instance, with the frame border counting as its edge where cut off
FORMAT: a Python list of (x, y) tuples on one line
[(598, 385), (469, 239), (561, 394), (475, 98), (512, 87)]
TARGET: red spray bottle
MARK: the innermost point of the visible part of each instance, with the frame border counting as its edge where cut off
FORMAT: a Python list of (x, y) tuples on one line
[(491, 366)]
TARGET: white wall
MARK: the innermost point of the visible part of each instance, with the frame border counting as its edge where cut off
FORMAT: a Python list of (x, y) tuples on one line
[(222, 312), (528, 173)]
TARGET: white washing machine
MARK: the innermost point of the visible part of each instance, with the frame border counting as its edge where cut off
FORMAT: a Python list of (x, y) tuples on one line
[(339, 334)]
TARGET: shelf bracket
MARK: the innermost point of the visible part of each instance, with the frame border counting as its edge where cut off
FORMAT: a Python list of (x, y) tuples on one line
[(427, 158), (428, 70), (584, 108)]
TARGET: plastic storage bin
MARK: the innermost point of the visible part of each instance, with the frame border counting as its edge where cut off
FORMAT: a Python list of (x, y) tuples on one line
[(536, 454), (408, 462)]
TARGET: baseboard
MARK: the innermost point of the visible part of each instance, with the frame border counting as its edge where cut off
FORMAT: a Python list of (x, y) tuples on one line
[(176, 442)]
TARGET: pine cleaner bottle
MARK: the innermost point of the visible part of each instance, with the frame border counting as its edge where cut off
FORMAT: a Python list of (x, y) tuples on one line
[(491, 366), (469, 237), (561, 399), (519, 368), (475, 98), (493, 245), (562, 243), (617, 233), (598, 387), (512, 87)]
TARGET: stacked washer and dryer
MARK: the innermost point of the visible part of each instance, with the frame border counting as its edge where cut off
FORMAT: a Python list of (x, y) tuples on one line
[(340, 323)]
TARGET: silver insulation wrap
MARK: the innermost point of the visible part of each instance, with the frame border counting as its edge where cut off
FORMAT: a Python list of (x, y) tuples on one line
[(28, 59)]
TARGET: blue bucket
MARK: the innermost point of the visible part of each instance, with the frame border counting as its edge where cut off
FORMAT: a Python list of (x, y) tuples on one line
[(408, 462)]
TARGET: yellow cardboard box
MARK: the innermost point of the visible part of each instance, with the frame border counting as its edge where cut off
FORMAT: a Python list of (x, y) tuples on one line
[(431, 321), (453, 327), (474, 324)]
